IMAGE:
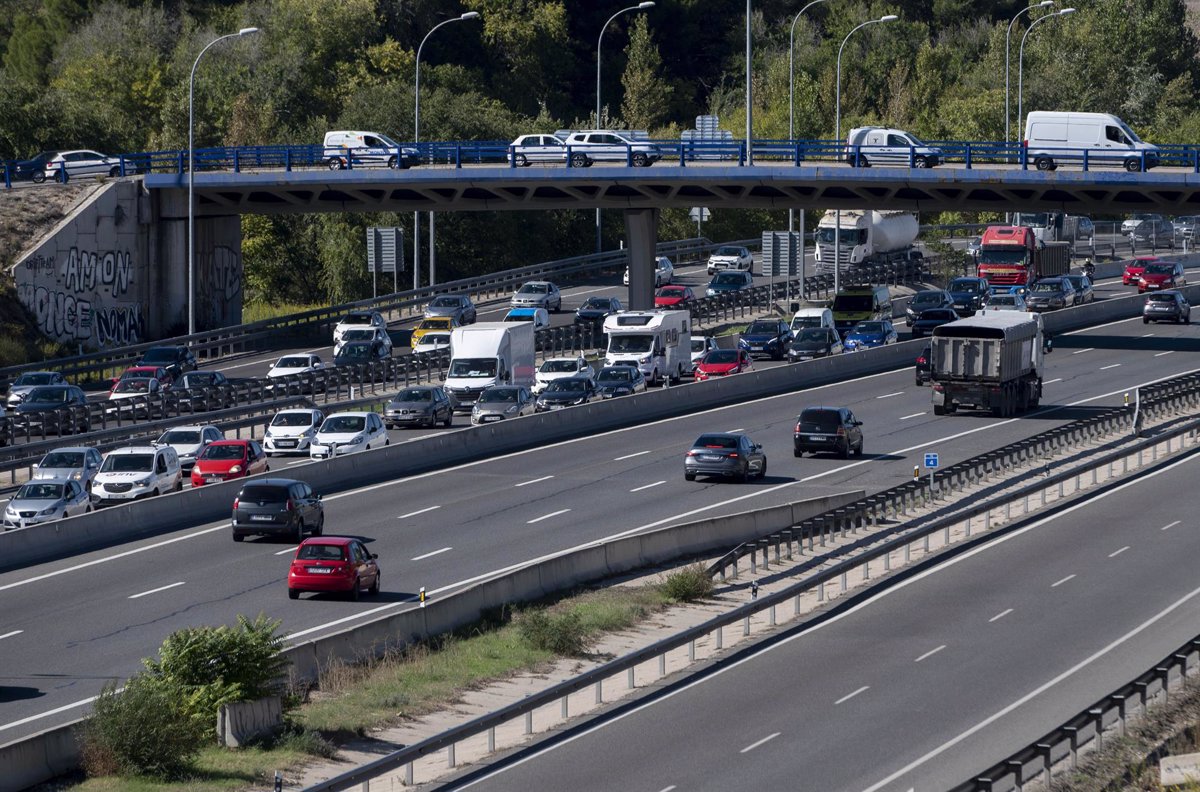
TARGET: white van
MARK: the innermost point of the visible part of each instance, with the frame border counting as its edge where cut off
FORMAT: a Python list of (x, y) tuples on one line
[(366, 148), (1107, 140), (867, 146), (812, 317), (136, 472)]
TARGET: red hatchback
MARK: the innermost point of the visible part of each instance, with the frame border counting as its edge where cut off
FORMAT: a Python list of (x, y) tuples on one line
[(1160, 275), (228, 459), (1134, 269), (336, 564), (723, 362), (157, 372), (673, 296)]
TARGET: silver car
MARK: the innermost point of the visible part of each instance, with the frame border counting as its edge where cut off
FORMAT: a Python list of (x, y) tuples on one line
[(43, 501), (30, 380), (500, 402), (457, 306), (189, 442), (72, 463), (538, 294)]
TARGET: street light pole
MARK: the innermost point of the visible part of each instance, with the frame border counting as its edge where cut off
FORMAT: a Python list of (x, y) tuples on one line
[(1007, 48), (191, 254), (599, 41), (792, 96), (417, 138), (749, 98), (1021, 55)]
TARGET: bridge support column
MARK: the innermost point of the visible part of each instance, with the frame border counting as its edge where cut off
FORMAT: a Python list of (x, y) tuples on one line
[(641, 230)]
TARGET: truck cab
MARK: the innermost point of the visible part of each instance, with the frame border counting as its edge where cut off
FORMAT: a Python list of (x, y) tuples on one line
[(657, 343), (486, 354)]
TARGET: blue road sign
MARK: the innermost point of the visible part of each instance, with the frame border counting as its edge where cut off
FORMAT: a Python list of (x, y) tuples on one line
[(931, 460)]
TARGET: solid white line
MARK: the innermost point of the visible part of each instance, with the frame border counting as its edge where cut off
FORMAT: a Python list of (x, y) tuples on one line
[(155, 591), (852, 695), (1051, 382), (647, 486), (10, 634), (1147, 335), (890, 395), (534, 481), (1113, 366), (1168, 352), (48, 713), (914, 415), (1169, 526), (930, 653), (1064, 580), (1000, 615), (667, 789), (630, 456), (430, 555), (754, 745), (1118, 552), (547, 516), (1081, 351), (731, 431), (419, 511), (289, 550), (299, 462)]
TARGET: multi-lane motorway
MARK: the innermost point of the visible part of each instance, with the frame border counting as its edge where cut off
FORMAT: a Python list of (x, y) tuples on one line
[(71, 625)]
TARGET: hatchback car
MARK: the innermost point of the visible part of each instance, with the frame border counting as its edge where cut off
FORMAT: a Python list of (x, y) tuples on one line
[(558, 368), (433, 324), (1134, 269), (73, 463), (1005, 302), (135, 397), (595, 309), (203, 390), (376, 336), (867, 335), (539, 317), (358, 320), (924, 300), (1134, 220), (30, 380), (1161, 275), (432, 344), (1049, 294), (457, 306), (614, 381), (769, 337), (1156, 233), (664, 271), (1084, 292), (189, 442), (722, 363), (934, 317), (730, 257), (292, 431), (538, 294), (224, 460), (1166, 305), (821, 429), (673, 297), (528, 149), (968, 294), (356, 353), (53, 406), (727, 282), (420, 405), (334, 565), (814, 342), (272, 506), (176, 359), (43, 501), (924, 365), (726, 454), (296, 364), (160, 373), (348, 433), (566, 392), (500, 402)]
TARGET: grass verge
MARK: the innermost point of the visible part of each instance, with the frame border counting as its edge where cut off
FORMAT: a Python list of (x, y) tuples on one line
[(257, 311)]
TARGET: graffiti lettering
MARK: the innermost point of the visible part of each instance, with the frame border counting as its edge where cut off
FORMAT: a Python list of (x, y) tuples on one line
[(120, 326), (40, 265), (80, 270), (61, 315), (224, 274)]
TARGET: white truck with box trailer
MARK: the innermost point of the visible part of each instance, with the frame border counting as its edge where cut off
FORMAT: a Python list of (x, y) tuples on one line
[(991, 361), (489, 353), (866, 237), (659, 343)]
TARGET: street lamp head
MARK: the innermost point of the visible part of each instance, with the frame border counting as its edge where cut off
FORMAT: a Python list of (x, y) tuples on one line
[(1065, 12), (888, 18), (1045, 4), (247, 31), (647, 4), (470, 15)]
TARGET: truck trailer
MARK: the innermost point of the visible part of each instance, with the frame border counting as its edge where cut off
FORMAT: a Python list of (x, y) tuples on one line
[(991, 361), (489, 353), (1014, 256), (865, 237)]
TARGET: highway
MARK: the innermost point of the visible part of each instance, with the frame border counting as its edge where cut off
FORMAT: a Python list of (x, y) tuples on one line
[(70, 625), (923, 685)]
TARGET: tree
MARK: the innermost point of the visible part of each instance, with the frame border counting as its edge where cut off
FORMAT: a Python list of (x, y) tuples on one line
[(647, 94), (29, 50)]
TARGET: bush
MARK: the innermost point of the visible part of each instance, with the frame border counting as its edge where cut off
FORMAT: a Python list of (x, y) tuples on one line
[(143, 730), (562, 633), (688, 584)]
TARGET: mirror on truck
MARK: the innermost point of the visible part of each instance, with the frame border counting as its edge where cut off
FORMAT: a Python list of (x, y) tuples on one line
[(1048, 345)]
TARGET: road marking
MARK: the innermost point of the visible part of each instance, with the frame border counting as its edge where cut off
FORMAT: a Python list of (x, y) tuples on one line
[(1051, 382), (547, 516), (930, 653), (890, 395), (1168, 352), (10, 634), (731, 431), (1113, 366), (914, 415), (289, 550), (630, 456), (421, 511), (430, 555), (1169, 526), (667, 789), (754, 745), (1081, 351), (647, 486), (535, 481), (852, 695), (299, 462), (1147, 335), (1118, 552), (1000, 615), (155, 591), (1064, 580)]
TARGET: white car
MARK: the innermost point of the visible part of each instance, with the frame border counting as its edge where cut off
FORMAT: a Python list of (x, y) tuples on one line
[(43, 501), (539, 316), (664, 271), (74, 463), (357, 320), (431, 342), (537, 294), (358, 148), (701, 346), (368, 334), (528, 149), (296, 364), (130, 388), (189, 441), (348, 433), (559, 367), (1005, 302), (292, 431), (136, 472), (729, 257), (605, 145), (81, 162)]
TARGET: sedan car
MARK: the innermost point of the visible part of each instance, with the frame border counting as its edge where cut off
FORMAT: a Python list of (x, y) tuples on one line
[(80, 162), (1084, 293), (43, 501), (1156, 233), (1134, 269), (730, 257), (722, 363), (160, 373), (177, 359), (189, 442), (376, 336), (866, 335), (767, 337), (224, 460), (432, 343), (334, 565), (934, 317), (296, 364), (457, 306), (32, 169), (924, 300), (1161, 275), (73, 463), (434, 324), (292, 431), (664, 271), (528, 149), (1166, 305), (595, 309), (500, 402), (272, 506), (924, 366), (613, 381), (1005, 302), (726, 454), (358, 320), (420, 405), (814, 342), (538, 294), (1049, 294), (57, 401), (348, 433), (30, 380), (558, 368), (566, 392), (673, 296), (354, 353), (968, 294), (827, 429)]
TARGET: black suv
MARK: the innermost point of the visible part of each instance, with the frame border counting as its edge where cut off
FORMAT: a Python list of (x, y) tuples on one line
[(284, 507), (828, 429)]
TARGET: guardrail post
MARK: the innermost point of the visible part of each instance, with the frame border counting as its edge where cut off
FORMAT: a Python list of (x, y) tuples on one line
[(408, 774), (1098, 715), (450, 756), (1046, 750), (1072, 733)]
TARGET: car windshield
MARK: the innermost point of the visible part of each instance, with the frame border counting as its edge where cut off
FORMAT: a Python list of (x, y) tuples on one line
[(926, 298), (566, 386), (472, 367), (199, 379), (355, 350), (728, 279), (819, 421), (729, 251), (1159, 269), (597, 302), (344, 423), (535, 288), (444, 302), (1162, 297), (356, 319), (292, 362), (322, 552), (721, 356), (222, 453), (630, 343), (757, 328), (414, 395), (128, 463), (62, 459), (59, 395), (852, 302), (965, 286), (616, 374), (259, 493), (558, 366), (699, 344), (434, 339), (672, 291), (35, 378), (1003, 299), (365, 334), (520, 316), (133, 385), (814, 335), (868, 328), (41, 491), (1047, 287), (292, 419), (801, 322), (715, 441), (499, 396), (159, 356), (180, 437)]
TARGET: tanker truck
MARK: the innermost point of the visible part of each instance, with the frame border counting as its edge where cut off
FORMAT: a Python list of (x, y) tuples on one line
[(866, 237)]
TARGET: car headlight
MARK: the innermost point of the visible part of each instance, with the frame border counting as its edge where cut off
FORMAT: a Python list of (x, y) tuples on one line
[(235, 469), (48, 512), (578, 401), (10, 511), (268, 436), (358, 440), (644, 360), (145, 482), (743, 343)]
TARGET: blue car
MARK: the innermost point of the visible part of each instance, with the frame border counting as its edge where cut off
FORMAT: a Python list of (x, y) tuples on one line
[(866, 335), (769, 337)]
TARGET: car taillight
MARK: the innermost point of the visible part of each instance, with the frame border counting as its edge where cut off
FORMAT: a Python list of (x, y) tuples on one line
[(921, 359), (733, 455), (236, 501), (290, 506), (691, 453), (797, 429)]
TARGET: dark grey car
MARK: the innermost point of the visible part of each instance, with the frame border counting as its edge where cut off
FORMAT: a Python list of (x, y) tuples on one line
[(55, 406), (1050, 294), (421, 405), (833, 429), (726, 454), (282, 507), (1166, 306), (595, 309)]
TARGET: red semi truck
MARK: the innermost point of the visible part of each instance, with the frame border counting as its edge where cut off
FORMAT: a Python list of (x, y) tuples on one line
[(1013, 256)]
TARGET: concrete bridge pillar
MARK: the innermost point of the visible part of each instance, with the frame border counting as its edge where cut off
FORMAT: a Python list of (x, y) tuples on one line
[(218, 263), (641, 229)]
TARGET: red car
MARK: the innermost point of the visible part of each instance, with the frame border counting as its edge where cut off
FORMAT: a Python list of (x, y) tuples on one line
[(1160, 275), (338, 564), (157, 372), (673, 296), (1134, 269), (723, 362), (228, 459)]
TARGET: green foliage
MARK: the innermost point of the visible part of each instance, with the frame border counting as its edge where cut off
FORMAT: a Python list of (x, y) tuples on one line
[(143, 730), (646, 92), (561, 632), (688, 584)]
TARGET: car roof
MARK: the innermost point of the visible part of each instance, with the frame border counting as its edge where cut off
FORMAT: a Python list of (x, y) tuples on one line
[(134, 450), (329, 540), (347, 413), (306, 410), (272, 482), (71, 449), (197, 427), (722, 434), (229, 442)]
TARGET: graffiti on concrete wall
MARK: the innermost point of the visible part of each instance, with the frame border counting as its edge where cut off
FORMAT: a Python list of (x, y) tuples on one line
[(83, 298), (220, 286)]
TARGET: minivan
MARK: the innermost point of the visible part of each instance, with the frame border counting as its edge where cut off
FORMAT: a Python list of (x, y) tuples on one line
[(136, 472), (867, 146), (1106, 139), (859, 304), (345, 148), (812, 317)]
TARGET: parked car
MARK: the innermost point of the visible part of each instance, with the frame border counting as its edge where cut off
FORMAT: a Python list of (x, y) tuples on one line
[(820, 429), (814, 342), (348, 433), (272, 506), (934, 317), (419, 405), (664, 271), (727, 282), (1084, 292), (701, 346), (722, 363), (49, 405), (967, 294), (613, 381), (924, 366), (457, 306), (673, 297), (292, 431), (924, 300), (528, 149), (559, 368), (30, 380), (1134, 220), (353, 148), (296, 364), (768, 337), (566, 392), (189, 442), (431, 343), (358, 320), (605, 145), (538, 294), (433, 324), (874, 333), (1164, 305), (355, 353), (730, 257), (176, 359), (1050, 294), (726, 454), (500, 402), (1005, 302), (540, 317), (72, 463), (224, 460), (1134, 269), (376, 336), (80, 162), (1156, 233), (44, 501), (1161, 275), (136, 472), (595, 309), (333, 565)]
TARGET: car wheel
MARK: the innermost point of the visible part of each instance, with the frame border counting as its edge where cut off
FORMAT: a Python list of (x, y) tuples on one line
[(392, 163), (1133, 165), (939, 409), (689, 476), (744, 475), (844, 451), (920, 162), (579, 160), (522, 161), (449, 419), (38, 177), (179, 485), (320, 529), (919, 383), (858, 451), (356, 590), (299, 531), (154, 494), (375, 584), (293, 594), (59, 176), (335, 164), (1145, 320), (237, 537), (639, 160), (762, 472), (797, 453)]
